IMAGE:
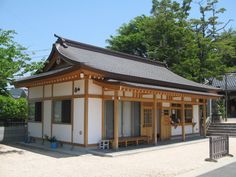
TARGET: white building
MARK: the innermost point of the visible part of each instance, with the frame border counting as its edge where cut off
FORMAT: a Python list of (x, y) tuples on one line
[(86, 94)]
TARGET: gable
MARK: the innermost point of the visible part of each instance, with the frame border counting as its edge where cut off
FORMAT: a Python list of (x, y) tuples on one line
[(55, 61)]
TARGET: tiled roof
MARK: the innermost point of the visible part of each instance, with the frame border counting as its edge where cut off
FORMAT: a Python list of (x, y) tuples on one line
[(119, 66), (126, 65), (221, 83)]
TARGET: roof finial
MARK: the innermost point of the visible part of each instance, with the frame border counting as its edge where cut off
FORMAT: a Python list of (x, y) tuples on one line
[(61, 41)]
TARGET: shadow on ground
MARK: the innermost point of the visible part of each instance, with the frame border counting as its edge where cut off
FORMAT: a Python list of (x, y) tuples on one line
[(11, 152), (50, 153)]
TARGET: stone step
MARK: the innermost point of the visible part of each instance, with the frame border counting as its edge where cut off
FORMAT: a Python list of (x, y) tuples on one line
[(224, 124), (226, 127), (220, 134), (220, 131), (221, 128)]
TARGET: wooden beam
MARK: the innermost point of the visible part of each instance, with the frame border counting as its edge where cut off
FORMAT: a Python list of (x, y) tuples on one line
[(116, 121), (154, 119), (72, 111), (183, 121), (204, 118), (86, 113)]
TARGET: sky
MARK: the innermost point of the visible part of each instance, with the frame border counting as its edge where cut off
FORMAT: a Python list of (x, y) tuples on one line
[(87, 21)]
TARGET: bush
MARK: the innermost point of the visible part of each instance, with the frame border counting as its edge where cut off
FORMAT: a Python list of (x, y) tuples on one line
[(11, 108)]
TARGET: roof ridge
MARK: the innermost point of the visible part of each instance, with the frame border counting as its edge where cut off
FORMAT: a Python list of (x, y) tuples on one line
[(65, 41)]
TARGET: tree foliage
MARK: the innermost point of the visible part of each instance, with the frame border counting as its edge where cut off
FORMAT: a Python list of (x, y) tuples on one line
[(193, 48), (11, 108), (14, 61)]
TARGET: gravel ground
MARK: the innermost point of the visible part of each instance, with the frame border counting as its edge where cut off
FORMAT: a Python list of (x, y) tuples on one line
[(25, 162)]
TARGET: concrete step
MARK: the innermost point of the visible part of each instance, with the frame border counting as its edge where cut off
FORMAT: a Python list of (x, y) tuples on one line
[(221, 134), (223, 129), (224, 124)]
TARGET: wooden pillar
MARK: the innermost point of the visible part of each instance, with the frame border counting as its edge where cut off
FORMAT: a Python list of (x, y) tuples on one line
[(86, 112), (183, 120), (103, 112), (116, 121), (154, 119), (204, 118)]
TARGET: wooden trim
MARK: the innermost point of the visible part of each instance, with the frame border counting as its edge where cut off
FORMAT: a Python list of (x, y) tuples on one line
[(103, 116), (72, 113), (204, 118), (51, 117), (42, 118), (183, 121), (67, 97), (116, 121), (31, 121), (154, 119), (86, 112), (58, 123)]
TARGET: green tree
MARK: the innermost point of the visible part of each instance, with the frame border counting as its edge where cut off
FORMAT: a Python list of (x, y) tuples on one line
[(11, 108), (210, 45), (131, 37), (192, 48), (14, 61)]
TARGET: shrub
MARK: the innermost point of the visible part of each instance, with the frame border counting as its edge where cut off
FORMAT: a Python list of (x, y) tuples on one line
[(11, 108)]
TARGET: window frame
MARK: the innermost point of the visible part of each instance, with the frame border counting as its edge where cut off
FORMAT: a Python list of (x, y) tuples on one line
[(34, 116), (53, 111), (147, 121), (186, 108)]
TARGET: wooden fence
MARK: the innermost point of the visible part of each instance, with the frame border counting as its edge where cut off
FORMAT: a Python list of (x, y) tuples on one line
[(218, 147)]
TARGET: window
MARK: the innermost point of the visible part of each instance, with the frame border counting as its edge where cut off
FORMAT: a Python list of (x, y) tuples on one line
[(35, 111), (147, 117), (188, 113), (176, 105), (175, 116), (62, 111), (166, 112)]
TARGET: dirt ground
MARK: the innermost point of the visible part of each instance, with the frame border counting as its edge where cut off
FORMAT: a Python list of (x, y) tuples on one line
[(30, 162)]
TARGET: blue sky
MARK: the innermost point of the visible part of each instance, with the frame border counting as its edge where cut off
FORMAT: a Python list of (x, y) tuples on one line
[(89, 21)]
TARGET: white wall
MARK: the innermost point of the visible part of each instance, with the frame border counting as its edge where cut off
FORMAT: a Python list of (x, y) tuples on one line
[(36, 92), (177, 98), (2, 134), (166, 104), (62, 89), (188, 129), (196, 118), (178, 130), (110, 93), (187, 99), (127, 118), (47, 116), (128, 94), (47, 90), (78, 132), (79, 84), (147, 96), (94, 89), (94, 120), (35, 129), (62, 132)]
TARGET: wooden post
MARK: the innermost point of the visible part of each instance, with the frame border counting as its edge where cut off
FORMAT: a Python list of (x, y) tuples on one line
[(103, 108), (86, 112), (116, 121), (154, 119), (183, 121), (204, 118)]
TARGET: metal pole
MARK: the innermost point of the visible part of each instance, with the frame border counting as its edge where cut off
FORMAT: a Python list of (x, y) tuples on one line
[(226, 97)]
